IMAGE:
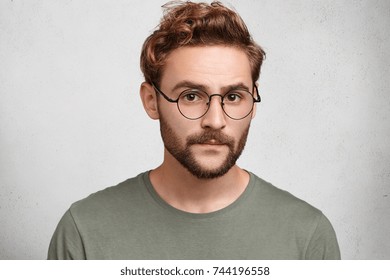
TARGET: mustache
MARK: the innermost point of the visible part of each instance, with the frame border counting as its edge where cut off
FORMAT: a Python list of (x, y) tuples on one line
[(216, 136)]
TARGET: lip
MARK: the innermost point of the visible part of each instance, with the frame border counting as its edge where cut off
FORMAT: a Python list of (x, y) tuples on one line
[(210, 147), (212, 142)]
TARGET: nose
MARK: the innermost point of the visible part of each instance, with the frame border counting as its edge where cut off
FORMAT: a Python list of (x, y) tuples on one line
[(215, 117)]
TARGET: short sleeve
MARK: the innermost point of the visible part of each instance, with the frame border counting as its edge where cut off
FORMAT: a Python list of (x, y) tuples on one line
[(66, 243), (323, 243)]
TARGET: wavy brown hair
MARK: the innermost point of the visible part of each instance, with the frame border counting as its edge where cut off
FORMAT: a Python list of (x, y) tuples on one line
[(197, 24)]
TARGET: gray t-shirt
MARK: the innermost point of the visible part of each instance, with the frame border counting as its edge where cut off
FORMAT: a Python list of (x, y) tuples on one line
[(131, 221)]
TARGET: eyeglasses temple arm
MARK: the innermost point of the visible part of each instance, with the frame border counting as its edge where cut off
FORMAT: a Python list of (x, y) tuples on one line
[(163, 94), (258, 99)]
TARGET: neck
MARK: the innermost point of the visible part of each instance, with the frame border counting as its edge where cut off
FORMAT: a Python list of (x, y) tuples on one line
[(184, 191)]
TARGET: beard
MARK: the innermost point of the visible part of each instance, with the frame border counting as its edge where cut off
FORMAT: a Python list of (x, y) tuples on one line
[(185, 156)]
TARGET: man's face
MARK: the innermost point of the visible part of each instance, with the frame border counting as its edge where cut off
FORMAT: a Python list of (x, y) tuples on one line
[(207, 147)]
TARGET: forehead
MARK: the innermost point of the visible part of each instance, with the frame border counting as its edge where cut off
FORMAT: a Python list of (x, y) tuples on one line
[(211, 66)]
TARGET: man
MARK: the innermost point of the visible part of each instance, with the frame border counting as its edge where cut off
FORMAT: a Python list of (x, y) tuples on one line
[(201, 67)]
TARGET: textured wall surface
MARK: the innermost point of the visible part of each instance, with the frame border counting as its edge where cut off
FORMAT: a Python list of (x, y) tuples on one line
[(71, 121)]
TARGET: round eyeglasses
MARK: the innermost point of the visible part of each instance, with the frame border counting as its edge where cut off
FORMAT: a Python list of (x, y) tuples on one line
[(194, 103)]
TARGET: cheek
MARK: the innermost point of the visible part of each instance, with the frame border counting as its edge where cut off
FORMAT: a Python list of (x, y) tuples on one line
[(240, 127), (241, 134), (178, 124), (169, 113)]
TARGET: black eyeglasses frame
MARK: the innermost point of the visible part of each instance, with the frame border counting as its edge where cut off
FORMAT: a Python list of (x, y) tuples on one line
[(167, 98)]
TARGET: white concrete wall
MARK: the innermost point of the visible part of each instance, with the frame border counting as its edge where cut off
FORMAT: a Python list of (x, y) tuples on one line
[(71, 121)]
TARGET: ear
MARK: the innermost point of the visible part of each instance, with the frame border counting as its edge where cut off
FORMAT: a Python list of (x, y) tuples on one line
[(149, 100), (254, 111)]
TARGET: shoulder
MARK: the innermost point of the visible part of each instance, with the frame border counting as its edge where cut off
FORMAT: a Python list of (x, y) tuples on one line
[(104, 201), (90, 220), (283, 207), (302, 222), (280, 198)]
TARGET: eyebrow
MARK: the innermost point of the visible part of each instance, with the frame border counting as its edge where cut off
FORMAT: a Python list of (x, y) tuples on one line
[(193, 85)]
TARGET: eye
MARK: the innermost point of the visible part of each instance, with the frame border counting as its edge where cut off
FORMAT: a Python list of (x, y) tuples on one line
[(193, 96), (233, 97), (190, 97)]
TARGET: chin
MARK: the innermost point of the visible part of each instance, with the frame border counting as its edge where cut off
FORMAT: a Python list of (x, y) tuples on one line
[(203, 173)]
